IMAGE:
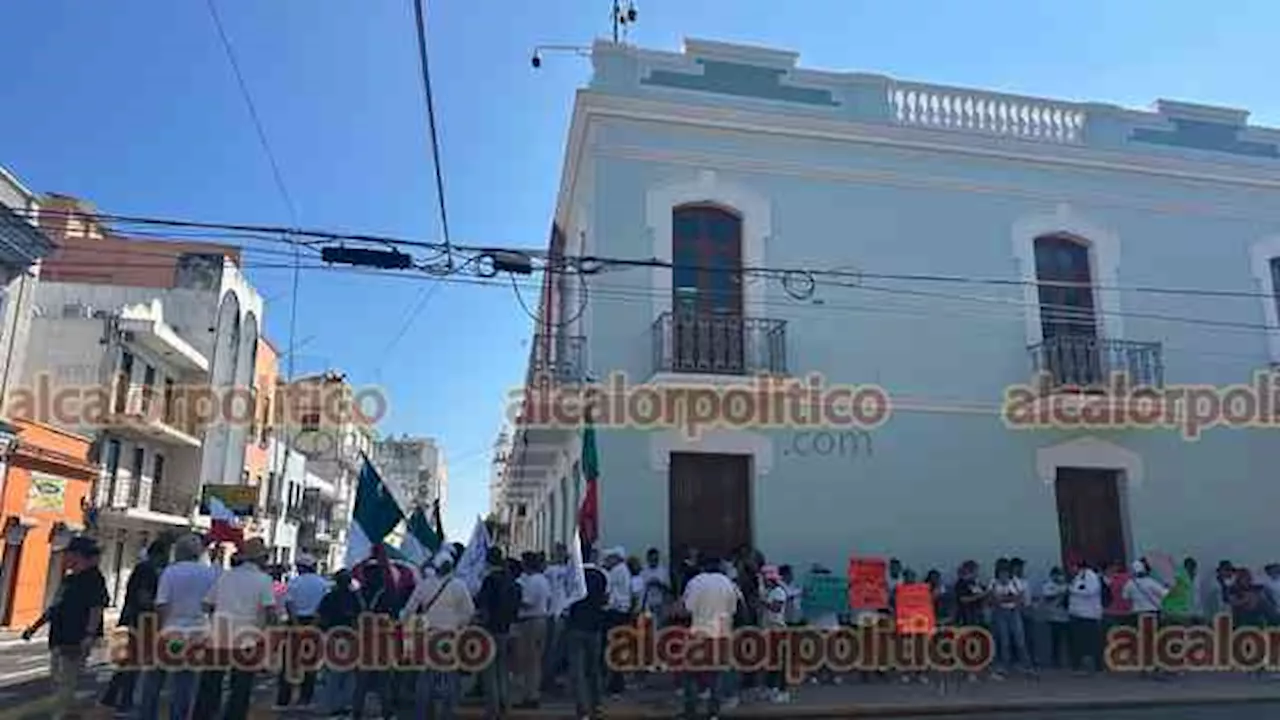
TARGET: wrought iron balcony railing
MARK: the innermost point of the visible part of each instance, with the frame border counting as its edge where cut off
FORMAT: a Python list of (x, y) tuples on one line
[(719, 344), (1084, 362), (560, 357)]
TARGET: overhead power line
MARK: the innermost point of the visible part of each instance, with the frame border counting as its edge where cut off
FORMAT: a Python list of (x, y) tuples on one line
[(424, 62)]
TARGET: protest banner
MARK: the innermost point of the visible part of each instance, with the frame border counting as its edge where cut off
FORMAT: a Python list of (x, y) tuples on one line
[(825, 593), (914, 608), (868, 587)]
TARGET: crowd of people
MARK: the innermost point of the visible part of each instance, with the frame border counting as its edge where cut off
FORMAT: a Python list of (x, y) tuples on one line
[(550, 626)]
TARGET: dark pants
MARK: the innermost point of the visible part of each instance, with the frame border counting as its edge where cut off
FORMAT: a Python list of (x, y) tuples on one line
[(119, 693), (284, 690), (584, 649), (617, 681), (209, 697), (1059, 644), (494, 678), (1086, 642), (715, 684), (380, 681)]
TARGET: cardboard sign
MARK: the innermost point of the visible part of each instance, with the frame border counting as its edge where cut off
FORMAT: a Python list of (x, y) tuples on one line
[(915, 615), (242, 500), (868, 586), (825, 593)]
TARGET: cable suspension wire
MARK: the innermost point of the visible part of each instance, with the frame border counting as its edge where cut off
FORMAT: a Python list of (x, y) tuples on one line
[(420, 20)]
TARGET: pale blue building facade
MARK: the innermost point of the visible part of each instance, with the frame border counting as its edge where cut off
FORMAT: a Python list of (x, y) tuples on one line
[(961, 240)]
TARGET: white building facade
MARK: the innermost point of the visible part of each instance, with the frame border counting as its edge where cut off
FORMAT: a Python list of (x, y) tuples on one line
[(938, 245), (151, 371), (415, 468)]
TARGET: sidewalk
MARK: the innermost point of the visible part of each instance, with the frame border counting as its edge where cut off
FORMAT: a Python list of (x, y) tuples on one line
[(1053, 691)]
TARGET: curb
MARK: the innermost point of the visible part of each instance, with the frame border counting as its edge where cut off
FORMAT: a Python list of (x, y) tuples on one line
[(934, 709)]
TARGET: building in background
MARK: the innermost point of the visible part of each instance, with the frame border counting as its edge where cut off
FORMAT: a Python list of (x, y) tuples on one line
[(281, 501), (45, 472), (320, 417), (142, 333), (722, 158), (259, 462), (415, 469)]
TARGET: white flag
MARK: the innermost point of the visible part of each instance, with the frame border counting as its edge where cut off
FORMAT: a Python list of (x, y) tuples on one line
[(471, 565), (576, 578)]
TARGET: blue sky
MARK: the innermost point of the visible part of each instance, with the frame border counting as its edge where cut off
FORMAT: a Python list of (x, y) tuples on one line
[(132, 104)]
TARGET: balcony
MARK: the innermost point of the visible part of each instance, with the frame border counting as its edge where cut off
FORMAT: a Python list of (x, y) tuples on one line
[(1084, 363), (145, 413), (560, 357), (719, 345)]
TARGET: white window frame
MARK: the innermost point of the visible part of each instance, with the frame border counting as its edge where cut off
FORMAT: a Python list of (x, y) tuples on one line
[(1104, 266), (1260, 256)]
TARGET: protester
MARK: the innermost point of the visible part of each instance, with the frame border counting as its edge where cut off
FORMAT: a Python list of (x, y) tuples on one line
[(241, 601), (1008, 596), (531, 633), (795, 596), (444, 604), (1054, 595), (301, 598), (139, 600), (340, 608), (619, 608), (1030, 628), (75, 621), (774, 617), (711, 599), (656, 586), (497, 605), (378, 598), (1143, 592), (585, 624), (180, 595), (1084, 608), (554, 656)]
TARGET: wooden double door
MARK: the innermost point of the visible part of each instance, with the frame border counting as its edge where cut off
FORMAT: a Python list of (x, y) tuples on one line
[(709, 503)]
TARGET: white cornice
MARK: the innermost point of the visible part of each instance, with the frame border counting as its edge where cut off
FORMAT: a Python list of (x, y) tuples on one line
[(594, 104)]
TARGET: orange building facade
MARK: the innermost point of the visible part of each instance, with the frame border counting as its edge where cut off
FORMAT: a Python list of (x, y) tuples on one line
[(47, 478)]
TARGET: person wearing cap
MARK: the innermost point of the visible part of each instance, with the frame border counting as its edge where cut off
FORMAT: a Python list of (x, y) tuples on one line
[(242, 606), (444, 604), (75, 621), (619, 608), (301, 600)]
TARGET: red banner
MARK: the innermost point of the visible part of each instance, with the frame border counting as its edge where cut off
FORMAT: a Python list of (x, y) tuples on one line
[(914, 605), (868, 587)]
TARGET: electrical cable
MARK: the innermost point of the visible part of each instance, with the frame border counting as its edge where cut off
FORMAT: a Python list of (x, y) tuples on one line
[(420, 20)]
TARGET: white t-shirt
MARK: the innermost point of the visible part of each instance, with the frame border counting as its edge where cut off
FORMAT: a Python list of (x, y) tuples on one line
[(240, 600), (304, 594), (619, 586), (711, 599), (770, 617), (1008, 594), (182, 589), (1144, 594), (795, 607), (654, 588), (535, 596), (451, 607), (1086, 596), (558, 577)]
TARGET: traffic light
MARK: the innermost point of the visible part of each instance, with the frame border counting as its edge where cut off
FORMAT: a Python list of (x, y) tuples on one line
[(363, 257)]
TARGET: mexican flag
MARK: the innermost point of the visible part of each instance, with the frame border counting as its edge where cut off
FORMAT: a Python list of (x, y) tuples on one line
[(421, 541), (589, 511), (375, 515)]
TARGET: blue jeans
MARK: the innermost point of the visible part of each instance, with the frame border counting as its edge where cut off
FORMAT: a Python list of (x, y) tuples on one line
[(715, 683), (339, 686), (181, 696), (436, 689), (584, 648), (1011, 636)]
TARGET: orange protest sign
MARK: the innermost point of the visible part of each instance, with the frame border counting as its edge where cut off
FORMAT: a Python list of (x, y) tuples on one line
[(915, 614), (868, 588)]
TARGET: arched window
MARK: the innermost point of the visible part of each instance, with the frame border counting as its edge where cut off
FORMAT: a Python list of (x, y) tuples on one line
[(706, 285), (1066, 287), (707, 252)]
